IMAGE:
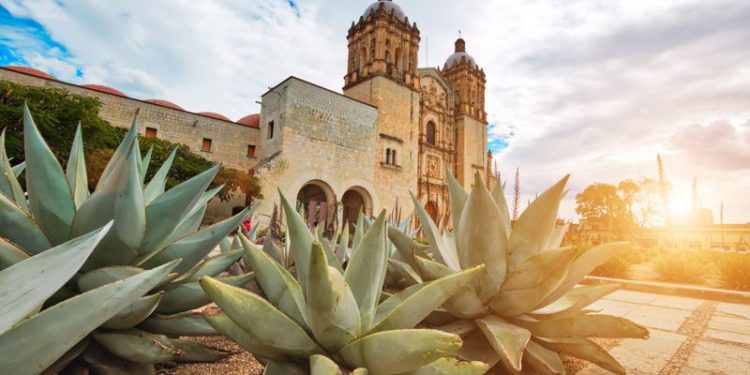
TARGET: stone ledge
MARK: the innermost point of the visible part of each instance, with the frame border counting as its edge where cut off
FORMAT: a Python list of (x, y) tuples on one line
[(673, 289)]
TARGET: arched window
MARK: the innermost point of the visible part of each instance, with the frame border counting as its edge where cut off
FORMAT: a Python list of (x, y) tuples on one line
[(388, 156), (431, 133), (393, 157)]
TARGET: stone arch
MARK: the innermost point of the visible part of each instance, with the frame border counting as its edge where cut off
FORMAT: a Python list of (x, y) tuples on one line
[(354, 200), (318, 201)]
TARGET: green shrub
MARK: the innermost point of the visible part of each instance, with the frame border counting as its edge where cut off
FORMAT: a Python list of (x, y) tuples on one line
[(682, 266), (734, 271), (617, 267)]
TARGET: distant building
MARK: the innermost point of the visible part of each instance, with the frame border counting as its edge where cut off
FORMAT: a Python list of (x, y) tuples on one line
[(394, 129)]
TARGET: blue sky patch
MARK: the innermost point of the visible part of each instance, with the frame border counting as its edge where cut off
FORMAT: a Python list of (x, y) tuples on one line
[(21, 38)]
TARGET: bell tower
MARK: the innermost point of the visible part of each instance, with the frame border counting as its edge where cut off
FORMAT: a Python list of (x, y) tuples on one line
[(383, 43), (468, 81)]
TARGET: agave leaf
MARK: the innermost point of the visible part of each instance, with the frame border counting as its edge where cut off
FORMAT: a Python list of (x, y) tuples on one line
[(165, 213), (476, 348), (10, 254), (597, 325), (50, 199), (36, 343), (542, 359), (498, 194), (439, 248), (527, 284), (532, 231), (270, 248), (137, 346), (76, 170), (279, 286), (17, 226), (464, 303), (365, 273), (331, 308), (360, 371), (19, 168), (343, 244), (558, 233), (63, 362), (481, 240), (105, 275), (582, 266), (192, 221), (211, 266), (105, 363), (283, 368), (183, 324), (359, 232), (451, 366), (403, 244), (25, 286), (191, 351), (420, 303), (507, 339), (584, 349), (322, 365), (146, 162), (266, 322), (399, 351), (459, 327), (190, 295), (158, 183), (9, 185), (573, 301), (299, 238), (120, 153), (228, 328), (193, 248), (330, 255), (458, 196), (134, 313), (403, 270), (119, 199)]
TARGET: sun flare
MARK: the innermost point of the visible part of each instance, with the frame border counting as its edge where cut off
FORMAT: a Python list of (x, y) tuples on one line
[(679, 205)]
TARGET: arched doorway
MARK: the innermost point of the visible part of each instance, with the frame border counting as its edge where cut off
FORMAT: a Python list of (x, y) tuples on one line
[(432, 210), (354, 201), (316, 200)]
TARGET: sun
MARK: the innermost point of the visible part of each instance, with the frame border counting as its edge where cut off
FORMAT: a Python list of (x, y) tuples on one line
[(679, 205)]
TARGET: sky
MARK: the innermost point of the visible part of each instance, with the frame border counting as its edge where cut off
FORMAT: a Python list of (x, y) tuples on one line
[(591, 88)]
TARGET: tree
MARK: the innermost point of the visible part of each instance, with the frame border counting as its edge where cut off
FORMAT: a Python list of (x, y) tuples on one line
[(602, 202)]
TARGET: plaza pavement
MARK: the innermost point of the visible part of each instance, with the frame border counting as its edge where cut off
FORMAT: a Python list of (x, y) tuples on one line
[(688, 336)]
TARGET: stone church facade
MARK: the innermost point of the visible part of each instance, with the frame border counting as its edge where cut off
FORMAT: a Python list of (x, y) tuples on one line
[(394, 129)]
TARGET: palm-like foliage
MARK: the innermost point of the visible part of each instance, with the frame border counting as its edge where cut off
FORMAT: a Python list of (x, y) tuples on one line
[(147, 228), (332, 319), (525, 308)]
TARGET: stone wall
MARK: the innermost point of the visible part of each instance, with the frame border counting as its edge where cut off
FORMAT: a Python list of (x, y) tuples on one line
[(472, 149), (229, 140), (398, 129), (322, 138)]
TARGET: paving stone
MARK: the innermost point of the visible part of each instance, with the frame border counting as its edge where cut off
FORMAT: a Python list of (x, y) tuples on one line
[(720, 359), (673, 302), (728, 336), (734, 309), (642, 356), (658, 317), (729, 324), (612, 307), (687, 370)]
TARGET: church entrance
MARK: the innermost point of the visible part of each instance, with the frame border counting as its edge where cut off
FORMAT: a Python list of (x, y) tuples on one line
[(431, 209), (354, 201), (315, 201)]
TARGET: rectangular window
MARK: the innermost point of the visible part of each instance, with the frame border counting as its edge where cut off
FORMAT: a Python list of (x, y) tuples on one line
[(270, 130), (150, 133), (206, 146), (250, 151)]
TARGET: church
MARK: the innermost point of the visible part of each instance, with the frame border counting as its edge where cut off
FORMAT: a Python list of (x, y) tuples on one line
[(394, 129)]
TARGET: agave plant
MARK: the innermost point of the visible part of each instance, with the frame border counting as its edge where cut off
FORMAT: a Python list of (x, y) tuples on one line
[(149, 228), (332, 319), (525, 308)]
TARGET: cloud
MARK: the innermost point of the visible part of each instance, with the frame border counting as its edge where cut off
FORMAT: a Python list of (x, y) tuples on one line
[(585, 87)]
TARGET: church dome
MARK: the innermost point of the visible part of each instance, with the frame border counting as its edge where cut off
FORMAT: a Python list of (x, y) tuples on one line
[(215, 115), (389, 6), (164, 103), (105, 89), (252, 121), (30, 71), (460, 55)]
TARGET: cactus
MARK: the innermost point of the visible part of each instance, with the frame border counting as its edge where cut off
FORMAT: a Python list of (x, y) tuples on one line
[(332, 319), (122, 233), (524, 309)]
